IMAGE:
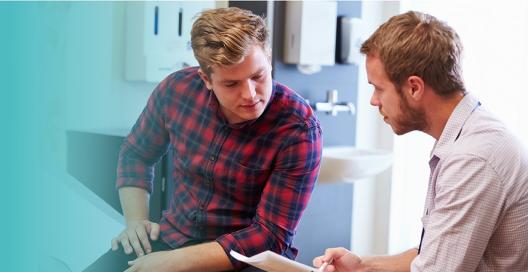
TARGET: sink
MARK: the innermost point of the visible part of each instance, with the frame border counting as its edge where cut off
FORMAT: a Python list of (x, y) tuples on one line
[(347, 163)]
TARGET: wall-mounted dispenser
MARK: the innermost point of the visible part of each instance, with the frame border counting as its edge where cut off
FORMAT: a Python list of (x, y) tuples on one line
[(310, 34), (350, 37), (158, 39)]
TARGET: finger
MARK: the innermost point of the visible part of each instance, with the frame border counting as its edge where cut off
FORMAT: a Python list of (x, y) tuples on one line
[(115, 244), (143, 238), (333, 253), (154, 231), (125, 243), (318, 261), (330, 268), (134, 242), (329, 254)]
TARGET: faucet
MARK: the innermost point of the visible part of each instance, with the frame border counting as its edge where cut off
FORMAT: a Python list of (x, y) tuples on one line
[(331, 106)]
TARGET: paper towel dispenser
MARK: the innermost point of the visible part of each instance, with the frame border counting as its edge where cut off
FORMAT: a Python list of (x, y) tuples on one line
[(350, 36), (310, 32)]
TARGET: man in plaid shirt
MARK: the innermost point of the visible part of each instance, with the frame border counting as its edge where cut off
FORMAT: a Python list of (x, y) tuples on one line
[(246, 154)]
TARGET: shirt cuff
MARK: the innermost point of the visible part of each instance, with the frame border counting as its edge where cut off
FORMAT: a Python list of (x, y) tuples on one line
[(130, 182), (229, 242)]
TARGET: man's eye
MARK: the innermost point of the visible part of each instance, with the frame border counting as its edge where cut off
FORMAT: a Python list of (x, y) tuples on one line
[(257, 77), (231, 84)]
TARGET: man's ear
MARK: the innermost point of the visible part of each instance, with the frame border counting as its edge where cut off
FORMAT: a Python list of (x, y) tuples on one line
[(415, 87), (205, 78)]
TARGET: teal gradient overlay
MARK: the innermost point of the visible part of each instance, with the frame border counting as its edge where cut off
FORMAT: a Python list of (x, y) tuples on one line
[(22, 133), (61, 67)]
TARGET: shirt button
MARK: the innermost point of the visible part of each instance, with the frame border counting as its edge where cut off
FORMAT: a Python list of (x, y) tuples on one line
[(192, 215), (212, 158)]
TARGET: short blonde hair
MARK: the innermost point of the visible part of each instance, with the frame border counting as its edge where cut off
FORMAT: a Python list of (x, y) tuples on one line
[(415, 43), (224, 36)]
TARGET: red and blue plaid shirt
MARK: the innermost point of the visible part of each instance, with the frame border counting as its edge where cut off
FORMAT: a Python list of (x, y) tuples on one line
[(246, 185)]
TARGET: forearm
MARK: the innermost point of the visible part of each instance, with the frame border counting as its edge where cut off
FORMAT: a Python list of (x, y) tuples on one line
[(134, 202), (393, 263), (203, 257)]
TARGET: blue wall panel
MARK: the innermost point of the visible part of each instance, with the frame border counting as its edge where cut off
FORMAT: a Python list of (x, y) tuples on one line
[(327, 221)]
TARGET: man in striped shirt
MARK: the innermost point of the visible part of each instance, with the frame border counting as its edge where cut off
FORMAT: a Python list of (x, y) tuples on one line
[(476, 210), (246, 153)]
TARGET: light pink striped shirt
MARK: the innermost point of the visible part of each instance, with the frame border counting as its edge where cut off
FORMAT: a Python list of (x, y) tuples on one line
[(476, 210)]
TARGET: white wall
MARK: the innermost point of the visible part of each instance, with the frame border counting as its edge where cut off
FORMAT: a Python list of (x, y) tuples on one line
[(84, 47), (371, 201)]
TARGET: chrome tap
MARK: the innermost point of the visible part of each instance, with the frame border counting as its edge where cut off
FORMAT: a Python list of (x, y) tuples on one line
[(331, 106)]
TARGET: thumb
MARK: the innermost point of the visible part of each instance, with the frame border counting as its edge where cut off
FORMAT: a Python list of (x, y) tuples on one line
[(153, 229)]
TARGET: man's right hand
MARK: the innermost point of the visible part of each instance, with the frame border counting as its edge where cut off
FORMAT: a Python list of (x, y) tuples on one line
[(136, 237), (341, 260)]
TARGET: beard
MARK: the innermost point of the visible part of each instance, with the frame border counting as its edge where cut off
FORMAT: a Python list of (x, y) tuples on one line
[(409, 119)]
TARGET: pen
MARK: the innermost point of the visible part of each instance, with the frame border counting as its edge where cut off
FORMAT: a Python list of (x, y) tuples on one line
[(323, 267)]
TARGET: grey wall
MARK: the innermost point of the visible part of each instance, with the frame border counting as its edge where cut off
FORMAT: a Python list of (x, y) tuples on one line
[(327, 221)]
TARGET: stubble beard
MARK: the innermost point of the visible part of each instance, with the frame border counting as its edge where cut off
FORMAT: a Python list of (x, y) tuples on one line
[(410, 119)]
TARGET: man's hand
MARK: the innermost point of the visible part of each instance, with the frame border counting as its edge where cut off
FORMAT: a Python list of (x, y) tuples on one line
[(161, 261), (136, 237), (341, 260)]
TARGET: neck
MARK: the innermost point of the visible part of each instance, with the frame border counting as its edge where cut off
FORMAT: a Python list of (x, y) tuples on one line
[(438, 112)]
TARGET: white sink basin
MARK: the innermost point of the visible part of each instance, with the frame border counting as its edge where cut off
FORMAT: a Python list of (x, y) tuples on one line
[(347, 163)]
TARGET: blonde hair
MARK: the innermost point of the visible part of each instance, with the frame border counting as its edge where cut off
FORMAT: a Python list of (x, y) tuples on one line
[(224, 36), (415, 43)]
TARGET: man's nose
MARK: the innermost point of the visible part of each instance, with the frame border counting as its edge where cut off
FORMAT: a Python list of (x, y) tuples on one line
[(374, 101), (249, 91)]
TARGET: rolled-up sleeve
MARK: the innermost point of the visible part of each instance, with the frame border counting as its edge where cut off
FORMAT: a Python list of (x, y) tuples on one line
[(283, 199), (144, 146)]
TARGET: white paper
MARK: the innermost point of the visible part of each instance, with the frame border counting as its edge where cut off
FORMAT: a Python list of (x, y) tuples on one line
[(272, 262)]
